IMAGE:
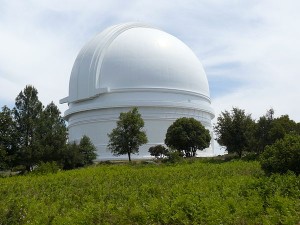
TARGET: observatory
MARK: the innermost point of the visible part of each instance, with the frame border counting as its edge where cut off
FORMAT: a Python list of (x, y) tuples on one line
[(130, 65)]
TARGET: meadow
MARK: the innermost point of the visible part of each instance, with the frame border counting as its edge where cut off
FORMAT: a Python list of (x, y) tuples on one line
[(195, 192)]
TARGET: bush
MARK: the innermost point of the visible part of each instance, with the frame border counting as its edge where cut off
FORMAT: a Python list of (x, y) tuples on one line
[(45, 168), (282, 156), (174, 157), (197, 193), (250, 156)]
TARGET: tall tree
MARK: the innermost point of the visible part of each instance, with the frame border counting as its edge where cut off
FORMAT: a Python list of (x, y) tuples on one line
[(128, 136), (234, 130), (51, 133), (187, 135), (281, 126), (262, 130), (269, 129), (8, 143), (27, 111)]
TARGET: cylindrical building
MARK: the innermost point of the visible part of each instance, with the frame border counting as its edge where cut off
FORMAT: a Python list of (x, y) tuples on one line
[(130, 65)]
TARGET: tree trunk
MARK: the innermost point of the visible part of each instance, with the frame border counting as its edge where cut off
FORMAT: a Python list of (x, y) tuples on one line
[(129, 157)]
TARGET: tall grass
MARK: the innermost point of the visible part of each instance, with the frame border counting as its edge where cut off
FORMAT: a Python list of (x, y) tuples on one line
[(186, 193)]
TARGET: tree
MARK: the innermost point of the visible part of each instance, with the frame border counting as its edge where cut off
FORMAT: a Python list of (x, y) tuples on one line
[(128, 136), (282, 156), (187, 135), (71, 156), (77, 155), (3, 159), (158, 151), (262, 133), (87, 150), (8, 143), (281, 126), (269, 129), (27, 111), (234, 130), (51, 133)]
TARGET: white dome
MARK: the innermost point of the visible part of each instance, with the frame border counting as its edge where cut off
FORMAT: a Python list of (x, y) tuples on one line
[(133, 55), (130, 65)]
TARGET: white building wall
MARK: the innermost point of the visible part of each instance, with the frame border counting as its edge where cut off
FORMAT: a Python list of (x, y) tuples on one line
[(98, 123)]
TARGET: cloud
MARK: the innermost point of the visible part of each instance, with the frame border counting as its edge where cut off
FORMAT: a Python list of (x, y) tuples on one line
[(249, 49)]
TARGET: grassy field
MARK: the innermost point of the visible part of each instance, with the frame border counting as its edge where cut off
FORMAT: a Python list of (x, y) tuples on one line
[(187, 193)]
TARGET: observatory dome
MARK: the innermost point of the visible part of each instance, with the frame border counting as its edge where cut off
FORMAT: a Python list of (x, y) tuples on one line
[(130, 65)]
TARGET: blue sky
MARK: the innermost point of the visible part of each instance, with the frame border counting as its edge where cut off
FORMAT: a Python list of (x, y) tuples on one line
[(250, 50)]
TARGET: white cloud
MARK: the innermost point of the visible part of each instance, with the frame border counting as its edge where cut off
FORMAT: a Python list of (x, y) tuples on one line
[(254, 43)]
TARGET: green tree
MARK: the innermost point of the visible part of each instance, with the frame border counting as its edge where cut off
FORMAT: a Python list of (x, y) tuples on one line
[(51, 133), (282, 156), (77, 155), (128, 136), (87, 150), (269, 129), (3, 158), (27, 111), (158, 151), (234, 130), (262, 130), (8, 142), (187, 135), (71, 156), (281, 126)]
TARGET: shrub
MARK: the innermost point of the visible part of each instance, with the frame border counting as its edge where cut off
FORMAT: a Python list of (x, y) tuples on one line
[(174, 157), (45, 168), (282, 156), (197, 193), (250, 156)]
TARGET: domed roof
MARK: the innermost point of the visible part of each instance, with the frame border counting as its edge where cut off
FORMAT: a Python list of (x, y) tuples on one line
[(135, 56)]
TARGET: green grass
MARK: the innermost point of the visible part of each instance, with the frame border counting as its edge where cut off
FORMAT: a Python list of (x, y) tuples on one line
[(187, 193)]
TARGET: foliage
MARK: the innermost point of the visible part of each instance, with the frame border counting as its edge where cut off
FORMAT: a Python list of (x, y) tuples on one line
[(282, 156), (78, 155), (281, 126), (235, 131), (71, 157), (88, 150), (197, 193), (269, 129), (8, 142), (26, 114), (262, 132), (46, 168), (30, 133), (174, 157), (3, 159), (159, 151), (187, 135), (51, 134), (128, 136)]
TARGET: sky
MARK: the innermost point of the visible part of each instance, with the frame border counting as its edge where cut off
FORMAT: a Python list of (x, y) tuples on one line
[(249, 49)]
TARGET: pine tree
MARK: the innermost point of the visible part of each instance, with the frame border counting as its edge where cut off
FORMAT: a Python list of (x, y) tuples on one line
[(51, 133), (8, 143), (26, 113)]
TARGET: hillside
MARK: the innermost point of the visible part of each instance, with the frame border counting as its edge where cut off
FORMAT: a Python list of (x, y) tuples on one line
[(188, 193)]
